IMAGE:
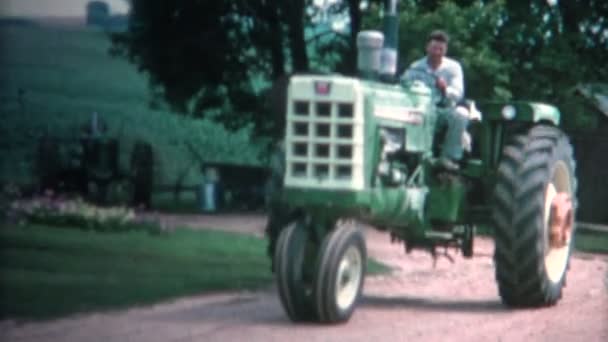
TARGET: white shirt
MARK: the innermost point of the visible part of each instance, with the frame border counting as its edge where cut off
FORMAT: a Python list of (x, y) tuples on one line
[(449, 69)]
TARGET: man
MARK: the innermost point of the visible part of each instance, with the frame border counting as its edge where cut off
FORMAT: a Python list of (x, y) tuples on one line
[(447, 76)]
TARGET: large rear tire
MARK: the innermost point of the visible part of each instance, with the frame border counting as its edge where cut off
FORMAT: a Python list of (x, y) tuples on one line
[(341, 273), (531, 266), (294, 262)]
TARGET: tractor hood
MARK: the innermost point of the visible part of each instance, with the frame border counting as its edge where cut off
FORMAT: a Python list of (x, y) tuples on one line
[(330, 117)]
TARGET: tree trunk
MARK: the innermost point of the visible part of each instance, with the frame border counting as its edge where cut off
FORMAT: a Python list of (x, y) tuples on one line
[(276, 49), (355, 25), (570, 20), (297, 44)]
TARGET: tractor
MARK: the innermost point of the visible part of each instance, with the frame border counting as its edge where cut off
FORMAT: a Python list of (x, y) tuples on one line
[(89, 165), (364, 150)]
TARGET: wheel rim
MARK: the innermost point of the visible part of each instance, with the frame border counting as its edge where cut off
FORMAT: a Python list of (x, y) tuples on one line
[(349, 277), (556, 255)]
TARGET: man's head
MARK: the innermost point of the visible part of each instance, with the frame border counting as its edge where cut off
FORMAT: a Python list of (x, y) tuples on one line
[(437, 46)]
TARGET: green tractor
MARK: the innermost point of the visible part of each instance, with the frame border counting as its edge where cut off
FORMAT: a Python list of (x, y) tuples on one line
[(89, 165), (364, 150)]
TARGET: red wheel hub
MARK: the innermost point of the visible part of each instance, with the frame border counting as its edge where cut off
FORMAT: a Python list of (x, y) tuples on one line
[(560, 220)]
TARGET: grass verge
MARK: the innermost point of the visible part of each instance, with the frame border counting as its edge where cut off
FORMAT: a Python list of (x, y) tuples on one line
[(48, 272), (591, 241), (586, 240)]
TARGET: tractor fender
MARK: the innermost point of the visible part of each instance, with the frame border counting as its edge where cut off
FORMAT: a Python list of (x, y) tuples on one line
[(521, 111)]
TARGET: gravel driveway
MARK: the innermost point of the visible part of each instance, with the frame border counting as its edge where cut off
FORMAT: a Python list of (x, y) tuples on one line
[(451, 302)]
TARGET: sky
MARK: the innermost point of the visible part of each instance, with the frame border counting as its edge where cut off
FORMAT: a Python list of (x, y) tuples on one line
[(56, 8)]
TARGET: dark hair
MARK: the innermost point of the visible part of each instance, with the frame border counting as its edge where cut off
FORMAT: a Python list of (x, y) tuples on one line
[(439, 36)]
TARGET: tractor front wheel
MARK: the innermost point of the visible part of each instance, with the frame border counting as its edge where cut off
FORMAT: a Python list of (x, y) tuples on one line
[(533, 211), (341, 272), (294, 262)]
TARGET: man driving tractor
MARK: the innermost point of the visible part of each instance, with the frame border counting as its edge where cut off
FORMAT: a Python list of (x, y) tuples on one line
[(448, 78)]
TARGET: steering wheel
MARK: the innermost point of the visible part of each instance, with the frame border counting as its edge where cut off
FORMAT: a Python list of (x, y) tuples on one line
[(414, 75)]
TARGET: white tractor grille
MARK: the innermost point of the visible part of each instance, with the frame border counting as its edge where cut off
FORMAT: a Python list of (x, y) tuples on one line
[(324, 140)]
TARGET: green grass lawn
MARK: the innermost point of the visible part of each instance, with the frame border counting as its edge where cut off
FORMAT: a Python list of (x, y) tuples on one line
[(585, 241), (49, 272), (591, 241)]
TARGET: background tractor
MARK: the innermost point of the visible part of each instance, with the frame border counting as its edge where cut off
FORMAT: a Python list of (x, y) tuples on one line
[(89, 165), (365, 150)]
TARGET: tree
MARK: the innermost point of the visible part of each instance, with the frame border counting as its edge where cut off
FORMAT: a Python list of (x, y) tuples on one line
[(98, 13), (528, 50), (471, 29), (553, 46), (214, 59)]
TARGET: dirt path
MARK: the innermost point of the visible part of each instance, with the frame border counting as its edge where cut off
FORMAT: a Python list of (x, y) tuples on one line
[(453, 302)]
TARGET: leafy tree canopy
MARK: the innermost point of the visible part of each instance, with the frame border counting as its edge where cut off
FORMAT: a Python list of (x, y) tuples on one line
[(217, 58)]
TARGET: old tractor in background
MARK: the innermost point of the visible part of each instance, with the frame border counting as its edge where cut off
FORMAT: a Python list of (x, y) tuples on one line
[(89, 166), (365, 150)]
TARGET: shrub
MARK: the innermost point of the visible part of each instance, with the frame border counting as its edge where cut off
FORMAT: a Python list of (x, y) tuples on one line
[(76, 213)]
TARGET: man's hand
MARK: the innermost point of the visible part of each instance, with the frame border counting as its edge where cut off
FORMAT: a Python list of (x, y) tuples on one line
[(441, 84)]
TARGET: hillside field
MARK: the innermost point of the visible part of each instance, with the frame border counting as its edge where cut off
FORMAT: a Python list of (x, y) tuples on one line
[(53, 79)]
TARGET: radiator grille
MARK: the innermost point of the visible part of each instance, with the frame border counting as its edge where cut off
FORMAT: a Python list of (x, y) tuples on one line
[(324, 145)]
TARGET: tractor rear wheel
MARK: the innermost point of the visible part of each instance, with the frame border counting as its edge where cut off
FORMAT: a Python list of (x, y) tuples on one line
[(294, 262), (341, 272), (533, 210)]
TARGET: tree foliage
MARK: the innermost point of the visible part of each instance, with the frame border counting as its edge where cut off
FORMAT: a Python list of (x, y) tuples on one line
[(214, 58), (552, 48), (471, 42), (217, 58)]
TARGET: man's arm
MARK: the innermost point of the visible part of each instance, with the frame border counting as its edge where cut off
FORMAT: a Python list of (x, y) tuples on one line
[(410, 72), (418, 71), (455, 89)]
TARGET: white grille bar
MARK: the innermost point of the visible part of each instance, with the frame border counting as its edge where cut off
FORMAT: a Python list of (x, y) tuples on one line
[(324, 142)]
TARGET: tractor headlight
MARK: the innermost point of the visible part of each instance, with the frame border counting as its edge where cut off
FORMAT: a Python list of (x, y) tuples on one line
[(508, 112)]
